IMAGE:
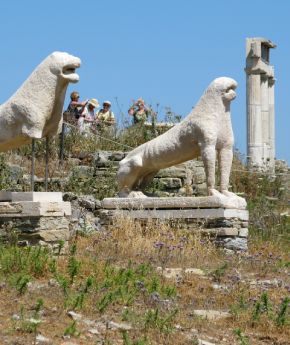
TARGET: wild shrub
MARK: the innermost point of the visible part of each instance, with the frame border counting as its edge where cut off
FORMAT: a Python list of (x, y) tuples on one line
[(28, 260), (6, 179), (154, 319), (123, 286)]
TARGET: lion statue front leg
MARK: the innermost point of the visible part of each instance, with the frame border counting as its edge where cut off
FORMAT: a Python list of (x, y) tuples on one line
[(208, 153)]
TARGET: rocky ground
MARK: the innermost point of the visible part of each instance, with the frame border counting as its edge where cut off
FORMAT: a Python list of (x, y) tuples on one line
[(145, 286)]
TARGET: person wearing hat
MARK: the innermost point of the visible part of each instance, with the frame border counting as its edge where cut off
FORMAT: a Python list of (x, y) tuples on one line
[(105, 116), (139, 111), (75, 107), (88, 115)]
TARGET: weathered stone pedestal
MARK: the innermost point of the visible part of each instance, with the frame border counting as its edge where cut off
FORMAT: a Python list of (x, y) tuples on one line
[(35, 217), (224, 219)]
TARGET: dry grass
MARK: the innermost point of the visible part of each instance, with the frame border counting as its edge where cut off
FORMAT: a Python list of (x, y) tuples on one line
[(122, 263)]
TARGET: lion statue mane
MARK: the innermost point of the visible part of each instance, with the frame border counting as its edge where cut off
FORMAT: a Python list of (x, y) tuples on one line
[(205, 131), (35, 110)]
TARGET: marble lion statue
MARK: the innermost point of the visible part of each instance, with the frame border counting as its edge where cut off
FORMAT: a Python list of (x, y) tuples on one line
[(205, 131), (35, 110)]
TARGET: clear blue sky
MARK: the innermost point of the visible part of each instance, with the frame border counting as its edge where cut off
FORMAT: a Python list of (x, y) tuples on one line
[(166, 52)]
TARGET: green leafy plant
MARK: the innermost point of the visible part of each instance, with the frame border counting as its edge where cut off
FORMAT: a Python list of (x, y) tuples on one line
[(281, 318), (73, 265), (127, 341), (153, 319), (72, 330), (220, 272), (21, 283), (244, 340), (79, 300)]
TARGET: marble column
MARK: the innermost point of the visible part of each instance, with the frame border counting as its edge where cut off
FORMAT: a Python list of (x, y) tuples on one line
[(272, 152), (260, 104), (254, 119), (265, 118)]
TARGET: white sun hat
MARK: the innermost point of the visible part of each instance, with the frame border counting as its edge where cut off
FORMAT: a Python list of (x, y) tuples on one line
[(94, 102)]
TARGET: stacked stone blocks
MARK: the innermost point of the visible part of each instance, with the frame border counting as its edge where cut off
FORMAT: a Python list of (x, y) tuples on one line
[(35, 221)]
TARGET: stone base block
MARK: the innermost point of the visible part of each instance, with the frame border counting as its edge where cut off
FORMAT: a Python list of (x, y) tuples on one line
[(216, 201), (214, 216), (34, 209), (206, 213), (35, 222), (31, 196)]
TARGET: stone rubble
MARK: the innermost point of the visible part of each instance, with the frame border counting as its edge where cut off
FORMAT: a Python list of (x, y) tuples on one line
[(211, 314)]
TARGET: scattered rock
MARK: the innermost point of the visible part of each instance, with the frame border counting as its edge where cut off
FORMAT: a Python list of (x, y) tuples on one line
[(41, 339), (220, 287), (15, 317), (234, 243), (171, 273), (74, 316), (94, 331), (53, 282), (203, 342), (194, 271), (88, 322), (119, 326), (211, 314), (33, 286), (266, 283)]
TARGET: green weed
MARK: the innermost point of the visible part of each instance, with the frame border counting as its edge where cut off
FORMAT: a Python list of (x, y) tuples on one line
[(153, 319), (281, 318), (244, 340), (72, 330), (220, 272), (21, 283)]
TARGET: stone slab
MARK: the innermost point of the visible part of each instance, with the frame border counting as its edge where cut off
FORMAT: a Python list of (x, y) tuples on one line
[(47, 236), (34, 209), (33, 224), (31, 196), (207, 202), (198, 213), (244, 232)]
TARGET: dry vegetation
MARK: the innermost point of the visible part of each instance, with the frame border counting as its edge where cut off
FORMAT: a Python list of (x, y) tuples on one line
[(112, 277), (121, 276)]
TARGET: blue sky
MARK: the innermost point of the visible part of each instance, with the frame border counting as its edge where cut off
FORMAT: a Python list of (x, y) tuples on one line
[(166, 52)]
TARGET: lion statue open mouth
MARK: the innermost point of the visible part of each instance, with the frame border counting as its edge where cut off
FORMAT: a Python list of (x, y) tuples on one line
[(35, 110), (205, 131)]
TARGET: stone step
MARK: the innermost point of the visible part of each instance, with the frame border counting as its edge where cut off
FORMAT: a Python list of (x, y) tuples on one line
[(217, 201), (34, 209), (31, 196), (180, 213)]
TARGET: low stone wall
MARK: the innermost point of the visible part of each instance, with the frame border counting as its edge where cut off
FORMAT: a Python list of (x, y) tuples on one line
[(185, 179)]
